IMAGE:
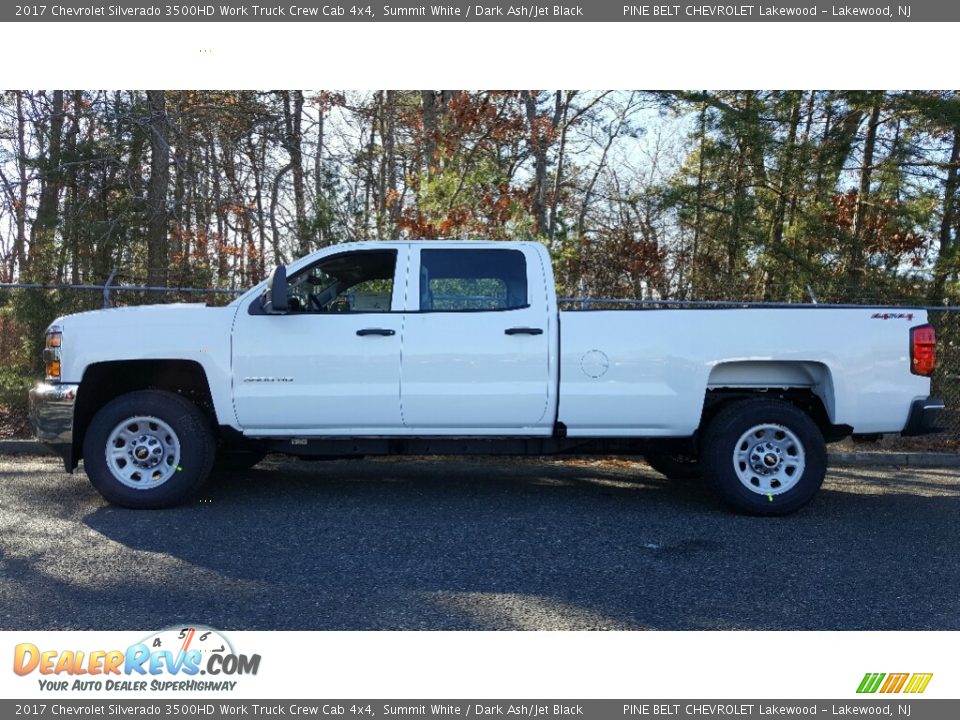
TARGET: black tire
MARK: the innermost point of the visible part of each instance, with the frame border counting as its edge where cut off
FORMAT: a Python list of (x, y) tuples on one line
[(228, 461), (783, 434), (676, 467), (190, 428)]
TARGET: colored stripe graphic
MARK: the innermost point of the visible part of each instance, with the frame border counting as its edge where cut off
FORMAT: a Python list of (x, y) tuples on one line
[(918, 683), (870, 682), (895, 682)]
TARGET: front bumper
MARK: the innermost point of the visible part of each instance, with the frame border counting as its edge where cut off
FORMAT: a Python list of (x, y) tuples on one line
[(923, 418), (51, 416)]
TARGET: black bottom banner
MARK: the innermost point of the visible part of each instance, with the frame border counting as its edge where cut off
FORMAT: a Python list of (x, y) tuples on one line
[(915, 709)]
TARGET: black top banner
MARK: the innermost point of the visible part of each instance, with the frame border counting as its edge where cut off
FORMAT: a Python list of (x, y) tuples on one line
[(460, 11)]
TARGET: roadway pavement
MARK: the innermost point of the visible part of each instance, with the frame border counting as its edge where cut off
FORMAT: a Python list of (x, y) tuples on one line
[(478, 544)]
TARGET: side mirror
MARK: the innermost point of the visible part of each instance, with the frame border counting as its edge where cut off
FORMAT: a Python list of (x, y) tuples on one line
[(274, 299)]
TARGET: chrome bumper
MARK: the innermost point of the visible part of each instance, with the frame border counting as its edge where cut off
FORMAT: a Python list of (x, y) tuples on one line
[(51, 416)]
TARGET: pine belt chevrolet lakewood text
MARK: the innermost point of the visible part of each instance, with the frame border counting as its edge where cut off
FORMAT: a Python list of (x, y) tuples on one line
[(460, 348)]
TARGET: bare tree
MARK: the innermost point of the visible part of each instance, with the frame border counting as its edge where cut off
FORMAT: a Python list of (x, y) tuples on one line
[(157, 238)]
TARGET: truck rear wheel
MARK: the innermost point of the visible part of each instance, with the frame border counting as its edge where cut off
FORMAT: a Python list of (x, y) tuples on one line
[(148, 449), (764, 457)]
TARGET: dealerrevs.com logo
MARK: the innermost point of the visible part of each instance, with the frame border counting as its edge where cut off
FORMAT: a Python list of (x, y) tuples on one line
[(172, 659)]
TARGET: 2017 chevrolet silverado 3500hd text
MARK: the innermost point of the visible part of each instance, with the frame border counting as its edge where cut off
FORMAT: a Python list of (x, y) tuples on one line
[(379, 348)]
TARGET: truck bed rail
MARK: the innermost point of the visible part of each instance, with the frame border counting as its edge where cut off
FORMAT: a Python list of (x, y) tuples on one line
[(572, 303)]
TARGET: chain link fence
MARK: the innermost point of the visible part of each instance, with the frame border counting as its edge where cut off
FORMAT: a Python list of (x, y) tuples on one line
[(26, 309), (946, 380)]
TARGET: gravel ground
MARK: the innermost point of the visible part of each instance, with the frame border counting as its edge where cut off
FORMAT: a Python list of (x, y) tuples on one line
[(14, 421), (477, 544)]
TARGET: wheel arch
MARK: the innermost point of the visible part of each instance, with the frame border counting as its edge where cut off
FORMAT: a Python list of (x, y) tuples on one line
[(105, 381), (809, 385)]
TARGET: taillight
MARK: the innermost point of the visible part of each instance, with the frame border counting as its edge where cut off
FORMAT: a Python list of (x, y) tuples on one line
[(923, 350)]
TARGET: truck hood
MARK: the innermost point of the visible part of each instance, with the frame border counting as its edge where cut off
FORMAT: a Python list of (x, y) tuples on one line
[(136, 313), (182, 331)]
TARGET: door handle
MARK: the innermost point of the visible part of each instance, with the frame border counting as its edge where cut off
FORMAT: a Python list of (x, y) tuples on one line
[(376, 331), (523, 331)]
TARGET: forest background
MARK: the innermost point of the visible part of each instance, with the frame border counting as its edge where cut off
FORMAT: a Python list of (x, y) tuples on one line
[(780, 196)]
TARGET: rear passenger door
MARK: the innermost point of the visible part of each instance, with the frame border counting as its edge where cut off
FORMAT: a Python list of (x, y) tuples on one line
[(475, 342)]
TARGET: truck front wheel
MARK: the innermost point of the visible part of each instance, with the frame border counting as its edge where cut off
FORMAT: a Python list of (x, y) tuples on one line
[(148, 449), (764, 457)]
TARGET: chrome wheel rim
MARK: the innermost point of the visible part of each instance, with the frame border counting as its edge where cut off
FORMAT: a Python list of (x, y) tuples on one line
[(769, 459), (143, 452)]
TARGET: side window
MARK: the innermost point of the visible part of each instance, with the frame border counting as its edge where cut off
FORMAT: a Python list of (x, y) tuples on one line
[(360, 281), (459, 280)]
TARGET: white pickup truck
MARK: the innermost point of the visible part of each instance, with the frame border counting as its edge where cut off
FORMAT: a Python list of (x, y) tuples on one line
[(378, 348)]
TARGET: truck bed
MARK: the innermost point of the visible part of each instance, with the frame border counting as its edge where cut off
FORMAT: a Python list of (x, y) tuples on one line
[(626, 370)]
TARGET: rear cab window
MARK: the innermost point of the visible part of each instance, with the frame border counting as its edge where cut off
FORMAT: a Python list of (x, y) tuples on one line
[(468, 280)]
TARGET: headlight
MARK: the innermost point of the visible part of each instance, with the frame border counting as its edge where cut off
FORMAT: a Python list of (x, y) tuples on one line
[(51, 354)]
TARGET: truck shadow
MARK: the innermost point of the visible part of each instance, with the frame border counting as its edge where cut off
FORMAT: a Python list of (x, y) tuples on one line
[(456, 544)]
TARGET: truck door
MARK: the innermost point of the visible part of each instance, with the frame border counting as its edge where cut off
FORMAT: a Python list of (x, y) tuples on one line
[(331, 365), (475, 342)]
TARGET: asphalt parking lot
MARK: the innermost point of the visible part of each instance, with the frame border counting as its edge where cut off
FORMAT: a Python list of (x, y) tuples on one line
[(477, 544)]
